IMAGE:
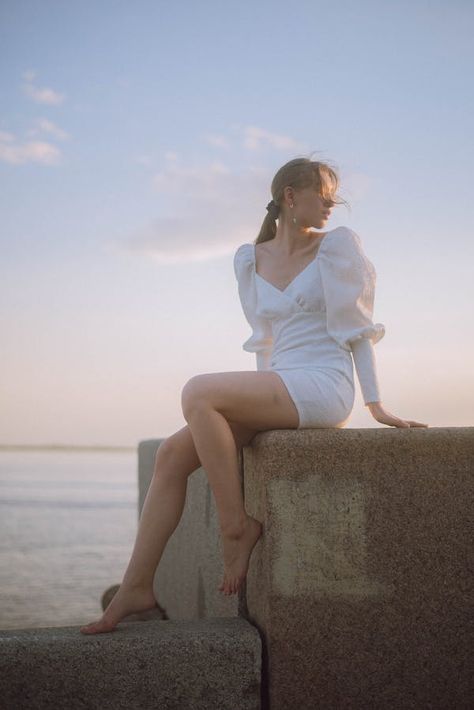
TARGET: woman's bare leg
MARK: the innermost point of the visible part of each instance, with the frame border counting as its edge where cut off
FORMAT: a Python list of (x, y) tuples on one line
[(163, 506), (259, 400), (216, 406)]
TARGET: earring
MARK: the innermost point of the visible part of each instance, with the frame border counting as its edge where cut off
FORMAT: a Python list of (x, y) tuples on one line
[(294, 218)]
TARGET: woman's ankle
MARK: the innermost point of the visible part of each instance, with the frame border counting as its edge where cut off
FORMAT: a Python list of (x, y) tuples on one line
[(235, 529), (137, 584)]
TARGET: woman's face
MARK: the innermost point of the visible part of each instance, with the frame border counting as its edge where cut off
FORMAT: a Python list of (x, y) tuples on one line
[(313, 210), (310, 209)]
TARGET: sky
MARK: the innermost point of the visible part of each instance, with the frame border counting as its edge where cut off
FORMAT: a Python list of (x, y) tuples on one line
[(138, 142)]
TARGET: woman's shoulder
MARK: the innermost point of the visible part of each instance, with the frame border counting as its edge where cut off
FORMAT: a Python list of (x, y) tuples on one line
[(343, 244), (340, 236), (345, 251), (244, 250), (243, 258)]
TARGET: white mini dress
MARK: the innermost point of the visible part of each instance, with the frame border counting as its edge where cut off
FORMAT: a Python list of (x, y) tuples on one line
[(309, 332)]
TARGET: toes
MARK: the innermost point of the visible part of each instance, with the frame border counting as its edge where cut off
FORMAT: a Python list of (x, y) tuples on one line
[(96, 627), (230, 586), (89, 629)]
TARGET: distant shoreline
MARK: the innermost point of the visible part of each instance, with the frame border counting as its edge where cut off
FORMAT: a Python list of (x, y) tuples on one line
[(63, 447)]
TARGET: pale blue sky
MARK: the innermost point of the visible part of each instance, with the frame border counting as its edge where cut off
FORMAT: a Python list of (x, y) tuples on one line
[(137, 146)]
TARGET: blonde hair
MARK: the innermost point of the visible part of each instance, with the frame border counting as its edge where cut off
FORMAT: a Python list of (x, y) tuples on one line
[(299, 173)]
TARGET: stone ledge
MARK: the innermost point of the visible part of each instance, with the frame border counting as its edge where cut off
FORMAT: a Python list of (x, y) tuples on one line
[(213, 664), (359, 585)]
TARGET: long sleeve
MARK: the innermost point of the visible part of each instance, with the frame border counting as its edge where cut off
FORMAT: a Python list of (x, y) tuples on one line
[(363, 353), (261, 340), (349, 279)]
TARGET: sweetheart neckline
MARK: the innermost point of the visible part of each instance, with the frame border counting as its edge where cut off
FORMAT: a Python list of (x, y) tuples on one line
[(313, 260)]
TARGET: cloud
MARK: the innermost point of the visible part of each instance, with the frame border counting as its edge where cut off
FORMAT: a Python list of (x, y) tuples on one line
[(43, 124), (202, 182), (6, 137), (16, 153), (206, 211), (217, 141), (255, 138), (43, 95)]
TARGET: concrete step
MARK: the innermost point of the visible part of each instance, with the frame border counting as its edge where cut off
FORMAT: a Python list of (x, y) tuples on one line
[(203, 664)]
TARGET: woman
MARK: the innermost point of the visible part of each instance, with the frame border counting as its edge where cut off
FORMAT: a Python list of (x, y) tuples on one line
[(309, 299)]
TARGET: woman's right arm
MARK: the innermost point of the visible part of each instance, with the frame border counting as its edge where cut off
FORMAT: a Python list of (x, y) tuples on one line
[(260, 341)]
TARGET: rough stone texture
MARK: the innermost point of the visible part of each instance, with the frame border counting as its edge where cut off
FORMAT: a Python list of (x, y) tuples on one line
[(360, 583), (191, 569), (171, 665)]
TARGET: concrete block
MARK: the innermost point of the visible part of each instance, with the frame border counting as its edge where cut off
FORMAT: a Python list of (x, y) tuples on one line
[(213, 664), (360, 582)]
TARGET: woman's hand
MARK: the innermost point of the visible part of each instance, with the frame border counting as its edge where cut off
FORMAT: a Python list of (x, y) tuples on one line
[(379, 413)]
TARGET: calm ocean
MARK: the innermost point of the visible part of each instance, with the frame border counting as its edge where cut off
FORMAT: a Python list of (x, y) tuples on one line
[(68, 521)]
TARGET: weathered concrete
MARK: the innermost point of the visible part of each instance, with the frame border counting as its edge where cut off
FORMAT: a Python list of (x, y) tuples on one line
[(171, 665), (359, 589), (190, 570), (360, 583)]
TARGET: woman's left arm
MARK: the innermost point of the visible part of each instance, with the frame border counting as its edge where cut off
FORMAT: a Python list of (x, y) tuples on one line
[(348, 278)]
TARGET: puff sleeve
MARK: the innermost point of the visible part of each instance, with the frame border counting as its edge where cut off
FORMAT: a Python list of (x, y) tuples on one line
[(348, 279), (261, 340)]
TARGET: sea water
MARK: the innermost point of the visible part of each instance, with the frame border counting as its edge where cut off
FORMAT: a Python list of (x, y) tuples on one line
[(68, 521)]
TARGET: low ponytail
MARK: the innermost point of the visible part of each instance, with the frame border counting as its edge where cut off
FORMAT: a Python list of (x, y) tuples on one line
[(269, 226)]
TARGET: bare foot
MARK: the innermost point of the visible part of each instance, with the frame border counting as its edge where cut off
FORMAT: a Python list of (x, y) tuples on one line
[(237, 551), (125, 602)]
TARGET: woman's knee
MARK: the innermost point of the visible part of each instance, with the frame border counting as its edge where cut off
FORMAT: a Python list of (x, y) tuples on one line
[(176, 457), (164, 457), (164, 453), (193, 395)]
